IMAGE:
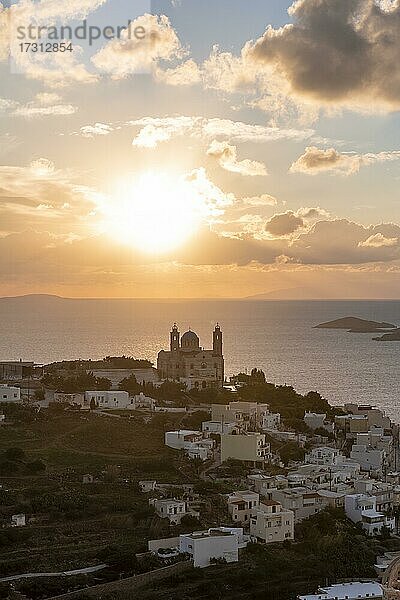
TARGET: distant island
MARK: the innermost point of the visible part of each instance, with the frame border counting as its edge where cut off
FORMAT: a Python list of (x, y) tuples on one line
[(357, 325)]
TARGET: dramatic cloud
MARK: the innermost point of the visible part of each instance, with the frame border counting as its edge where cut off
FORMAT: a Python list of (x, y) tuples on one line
[(337, 52), (91, 131), (344, 242), (226, 72), (54, 69), (187, 73), (378, 240), (227, 158), (316, 160), (43, 105), (213, 198), (284, 224), (131, 54), (155, 130), (40, 193)]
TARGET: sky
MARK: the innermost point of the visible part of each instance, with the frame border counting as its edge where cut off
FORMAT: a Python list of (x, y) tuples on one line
[(216, 149)]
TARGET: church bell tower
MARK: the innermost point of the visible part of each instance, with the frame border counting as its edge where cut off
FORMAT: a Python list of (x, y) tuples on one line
[(174, 338), (217, 340)]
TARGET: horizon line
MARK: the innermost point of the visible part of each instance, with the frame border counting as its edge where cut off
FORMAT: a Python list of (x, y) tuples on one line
[(254, 298)]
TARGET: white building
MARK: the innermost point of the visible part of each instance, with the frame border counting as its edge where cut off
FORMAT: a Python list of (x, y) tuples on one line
[(386, 494), (263, 484), (248, 415), (271, 421), (301, 501), (221, 543), (368, 458), (108, 399), (218, 427), (170, 509), (318, 421), (361, 508), (250, 447), (242, 505), (376, 439), (192, 442), (348, 591), (315, 477), (18, 520), (140, 401), (272, 523), (9, 393), (323, 456), (148, 485)]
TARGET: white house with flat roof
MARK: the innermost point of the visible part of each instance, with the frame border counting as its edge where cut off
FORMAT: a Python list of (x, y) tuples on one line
[(361, 508), (141, 401), (213, 544), (272, 523), (247, 414), (147, 485), (263, 484), (170, 509), (323, 456), (194, 443), (242, 505), (108, 399), (301, 501), (9, 393), (348, 591), (369, 459)]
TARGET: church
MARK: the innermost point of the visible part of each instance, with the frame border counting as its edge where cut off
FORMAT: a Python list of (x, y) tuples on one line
[(188, 363)]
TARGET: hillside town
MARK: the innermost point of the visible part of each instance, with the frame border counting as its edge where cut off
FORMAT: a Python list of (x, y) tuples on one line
[(253, 476)]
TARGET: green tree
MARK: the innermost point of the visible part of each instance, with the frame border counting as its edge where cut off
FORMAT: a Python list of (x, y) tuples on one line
[(14, 454), (36, 466), (130, 385)]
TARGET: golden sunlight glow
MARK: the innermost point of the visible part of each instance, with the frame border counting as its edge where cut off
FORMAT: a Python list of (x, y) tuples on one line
[(155, 212)]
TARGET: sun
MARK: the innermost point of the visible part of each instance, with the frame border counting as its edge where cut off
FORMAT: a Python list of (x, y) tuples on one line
[(154, 212)]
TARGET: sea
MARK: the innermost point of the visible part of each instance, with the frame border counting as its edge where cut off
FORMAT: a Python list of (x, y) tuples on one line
[(274, 335)]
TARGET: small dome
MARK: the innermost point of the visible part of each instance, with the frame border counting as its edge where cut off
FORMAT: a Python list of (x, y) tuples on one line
[(190, 340)]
